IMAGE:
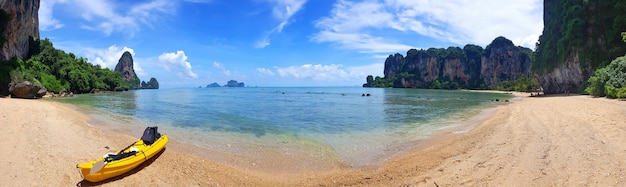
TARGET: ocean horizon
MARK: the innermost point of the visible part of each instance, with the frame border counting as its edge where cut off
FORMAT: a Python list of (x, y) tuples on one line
[(300, 124)]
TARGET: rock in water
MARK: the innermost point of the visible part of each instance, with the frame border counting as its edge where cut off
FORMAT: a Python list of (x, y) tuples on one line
[(152, 84), (27, 90), (22, 28), (125, 67)]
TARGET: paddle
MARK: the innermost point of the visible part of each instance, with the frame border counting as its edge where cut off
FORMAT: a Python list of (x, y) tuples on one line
[(97, 167), (100, 164)]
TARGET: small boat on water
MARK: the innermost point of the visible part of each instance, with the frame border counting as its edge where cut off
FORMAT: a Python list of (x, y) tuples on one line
[(114, 164)]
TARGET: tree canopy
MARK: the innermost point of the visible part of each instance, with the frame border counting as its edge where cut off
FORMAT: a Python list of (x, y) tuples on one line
[(57, 70)]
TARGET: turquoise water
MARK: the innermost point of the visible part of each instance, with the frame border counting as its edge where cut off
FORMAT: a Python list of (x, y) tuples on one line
[(332, 122)]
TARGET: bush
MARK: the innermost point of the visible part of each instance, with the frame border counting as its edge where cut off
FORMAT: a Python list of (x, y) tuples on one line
[(523, 84), (609, 81), (52, 83), (597, 82)]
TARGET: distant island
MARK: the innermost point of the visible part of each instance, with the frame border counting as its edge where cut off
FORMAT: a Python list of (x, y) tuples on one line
[(213, 85), (231, 83), (126, 69)]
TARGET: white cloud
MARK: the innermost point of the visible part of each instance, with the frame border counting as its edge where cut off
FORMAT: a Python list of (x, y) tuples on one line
[(177, 62), (283, 10), (46, 20), (364, 25), (262, 43), (316, 72), (109, 57), (199, 1), (361, 72), (325, 74), (264, 71), (222, 68), (362, 42), (101, 15)]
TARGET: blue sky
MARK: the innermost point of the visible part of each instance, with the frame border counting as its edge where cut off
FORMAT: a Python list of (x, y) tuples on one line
[(191, 43)]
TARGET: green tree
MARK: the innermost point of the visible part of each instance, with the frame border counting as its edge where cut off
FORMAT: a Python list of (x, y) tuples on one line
[(609, 81), (57, 70)]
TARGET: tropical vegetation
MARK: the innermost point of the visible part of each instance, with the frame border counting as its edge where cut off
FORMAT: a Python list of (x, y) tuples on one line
[(59, 71)]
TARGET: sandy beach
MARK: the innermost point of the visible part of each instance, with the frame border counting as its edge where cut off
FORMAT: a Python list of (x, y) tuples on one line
[(536, 141)]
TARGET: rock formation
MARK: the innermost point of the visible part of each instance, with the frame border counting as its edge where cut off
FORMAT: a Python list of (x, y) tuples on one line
[(21, 28), (125, 67), (568, 76), (152, 84), (234, 83), (393, 64), (27, 90), (578, 37), (470, 67), (212, 85), (502, 61)]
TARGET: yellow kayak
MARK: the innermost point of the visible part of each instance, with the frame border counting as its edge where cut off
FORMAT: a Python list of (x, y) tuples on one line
[(111, 165)]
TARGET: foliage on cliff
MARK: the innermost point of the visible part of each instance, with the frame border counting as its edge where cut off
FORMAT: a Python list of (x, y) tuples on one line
[(590, 28), (609, 81), (470, 67), (523, 84), (57, 70)]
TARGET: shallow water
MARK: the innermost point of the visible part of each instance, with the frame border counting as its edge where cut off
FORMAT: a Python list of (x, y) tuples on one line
[(315, 123)]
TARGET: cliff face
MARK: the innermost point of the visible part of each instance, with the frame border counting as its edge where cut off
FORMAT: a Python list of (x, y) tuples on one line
[(125, 67), (454, 67), (578, 37), (426, 67), (568, 76), (502, 61), (21, 29), (393, 64)]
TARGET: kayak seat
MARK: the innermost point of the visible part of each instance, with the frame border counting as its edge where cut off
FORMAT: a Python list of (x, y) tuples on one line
[(150, 135)]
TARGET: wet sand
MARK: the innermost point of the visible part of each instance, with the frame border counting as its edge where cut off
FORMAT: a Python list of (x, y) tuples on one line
[(538, 141)]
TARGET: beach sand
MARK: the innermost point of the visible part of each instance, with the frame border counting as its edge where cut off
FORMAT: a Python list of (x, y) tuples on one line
[(536, 141)]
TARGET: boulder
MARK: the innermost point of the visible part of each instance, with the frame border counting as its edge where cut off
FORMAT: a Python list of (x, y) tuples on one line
[(27, 90)]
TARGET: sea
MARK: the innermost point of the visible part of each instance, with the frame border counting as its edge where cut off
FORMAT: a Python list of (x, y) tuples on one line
[(303, 126)]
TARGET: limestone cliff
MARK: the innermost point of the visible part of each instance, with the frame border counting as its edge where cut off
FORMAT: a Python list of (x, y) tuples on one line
[(125, 67), (568, 76), (152, 84), (451, 68), (578, 37), (21, 28), (454, 69), (502, 61), (393, 64)]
